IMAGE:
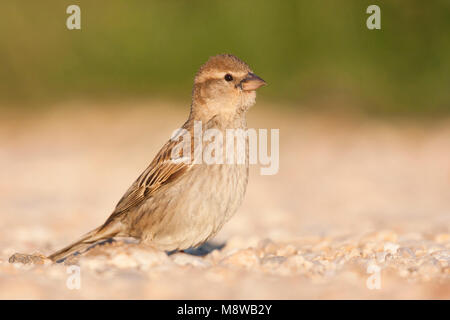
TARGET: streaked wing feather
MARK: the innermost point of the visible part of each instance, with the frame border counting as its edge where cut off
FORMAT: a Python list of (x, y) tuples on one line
[(161, 171)]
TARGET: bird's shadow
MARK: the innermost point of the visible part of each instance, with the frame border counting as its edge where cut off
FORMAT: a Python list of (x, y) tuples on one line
[(202, 250)]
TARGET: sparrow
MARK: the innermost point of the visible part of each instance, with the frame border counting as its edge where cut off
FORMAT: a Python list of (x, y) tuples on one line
[(176, 205)]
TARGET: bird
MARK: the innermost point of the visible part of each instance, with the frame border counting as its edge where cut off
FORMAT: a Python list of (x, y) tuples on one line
[(176, 205)]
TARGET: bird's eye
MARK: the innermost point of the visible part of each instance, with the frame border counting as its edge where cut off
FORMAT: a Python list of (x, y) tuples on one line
[(228, 77)]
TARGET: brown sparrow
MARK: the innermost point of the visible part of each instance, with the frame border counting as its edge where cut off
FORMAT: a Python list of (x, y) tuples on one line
[(176, 205)]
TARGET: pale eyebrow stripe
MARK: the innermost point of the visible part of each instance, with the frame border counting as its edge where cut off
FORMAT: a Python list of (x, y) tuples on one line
[(209, 76)]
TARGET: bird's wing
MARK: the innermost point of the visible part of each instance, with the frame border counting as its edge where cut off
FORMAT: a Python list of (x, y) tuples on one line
[(162, 170)]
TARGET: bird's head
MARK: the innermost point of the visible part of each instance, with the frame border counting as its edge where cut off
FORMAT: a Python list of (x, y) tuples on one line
[(224, 85)]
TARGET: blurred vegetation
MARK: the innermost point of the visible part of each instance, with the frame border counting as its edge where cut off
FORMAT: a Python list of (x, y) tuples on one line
[(312, 53)]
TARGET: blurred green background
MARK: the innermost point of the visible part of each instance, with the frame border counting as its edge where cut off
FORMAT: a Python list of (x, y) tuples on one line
[(314, 54)]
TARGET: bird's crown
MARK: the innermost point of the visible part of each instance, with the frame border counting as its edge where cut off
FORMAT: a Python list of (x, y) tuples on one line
[(220, 64)]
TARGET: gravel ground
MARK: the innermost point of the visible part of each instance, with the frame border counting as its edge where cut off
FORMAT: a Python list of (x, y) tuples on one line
[(359, 209)]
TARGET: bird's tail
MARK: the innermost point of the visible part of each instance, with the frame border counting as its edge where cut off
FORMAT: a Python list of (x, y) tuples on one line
[(89, 239)]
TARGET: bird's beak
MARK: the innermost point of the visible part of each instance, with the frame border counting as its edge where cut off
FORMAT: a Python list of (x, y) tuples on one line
[(251, 82)]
